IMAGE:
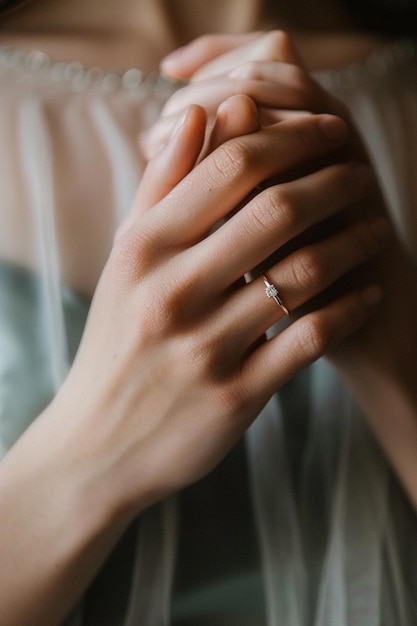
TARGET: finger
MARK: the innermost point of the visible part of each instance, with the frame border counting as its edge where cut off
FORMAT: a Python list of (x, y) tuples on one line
[(212, 55), (235, 117), (268, 116), (159, 134), (225, 178), (280, 85), (174, 160), (277, 215), (170, 164), (296, 86), (274, 362), (210, 95), (300, 277), (275, 86)]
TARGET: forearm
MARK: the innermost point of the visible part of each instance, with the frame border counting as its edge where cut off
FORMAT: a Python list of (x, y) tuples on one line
[(56, 526)]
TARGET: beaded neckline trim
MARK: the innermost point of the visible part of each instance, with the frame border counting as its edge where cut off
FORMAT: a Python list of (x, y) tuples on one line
[(79, 77), (377, 65)]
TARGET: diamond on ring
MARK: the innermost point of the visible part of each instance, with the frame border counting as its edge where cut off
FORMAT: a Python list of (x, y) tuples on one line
[(273, 293)]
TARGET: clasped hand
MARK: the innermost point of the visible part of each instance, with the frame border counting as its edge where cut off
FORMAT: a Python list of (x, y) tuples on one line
[(174, 365)]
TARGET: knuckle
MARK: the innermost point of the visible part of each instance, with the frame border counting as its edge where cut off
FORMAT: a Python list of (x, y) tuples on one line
[(250, 70), (271, 209), (308, 271), (313, 338), (230, 161), (280, 208)]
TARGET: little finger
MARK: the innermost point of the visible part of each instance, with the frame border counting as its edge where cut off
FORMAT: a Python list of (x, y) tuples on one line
[(275, 361)]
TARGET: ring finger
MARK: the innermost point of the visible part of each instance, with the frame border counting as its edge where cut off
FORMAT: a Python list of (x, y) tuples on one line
[(300, 277)]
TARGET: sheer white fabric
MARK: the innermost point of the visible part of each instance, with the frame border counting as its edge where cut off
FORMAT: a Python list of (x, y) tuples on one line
[(150, 600), (331, 540), (70, 165)]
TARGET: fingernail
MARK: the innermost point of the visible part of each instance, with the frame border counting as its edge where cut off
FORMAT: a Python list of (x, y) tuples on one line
[(168, 63), (154, 149), (174, 55), (381, 228), (333, 128), (371, 295)]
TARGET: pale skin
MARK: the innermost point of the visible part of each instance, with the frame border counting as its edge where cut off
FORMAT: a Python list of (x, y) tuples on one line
[(130, 445)]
